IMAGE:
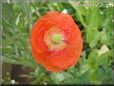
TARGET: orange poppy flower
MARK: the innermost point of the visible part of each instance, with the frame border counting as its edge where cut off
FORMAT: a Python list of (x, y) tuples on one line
[(56, 41)]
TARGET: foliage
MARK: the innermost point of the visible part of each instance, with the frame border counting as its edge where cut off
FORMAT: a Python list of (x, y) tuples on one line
[(95, 23)]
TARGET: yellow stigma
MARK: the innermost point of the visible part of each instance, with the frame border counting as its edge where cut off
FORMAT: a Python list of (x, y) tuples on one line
[(56, 38)]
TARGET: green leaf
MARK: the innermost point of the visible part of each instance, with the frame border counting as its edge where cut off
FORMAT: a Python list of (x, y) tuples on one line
[(60, 77), (103, 59), (84, 68), (83, 58), (105, 38), (92, 18), (92, 58), (92, 37), (81, 19)]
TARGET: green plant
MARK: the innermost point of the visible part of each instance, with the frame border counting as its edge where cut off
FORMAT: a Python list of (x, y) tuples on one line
[(95, 23)]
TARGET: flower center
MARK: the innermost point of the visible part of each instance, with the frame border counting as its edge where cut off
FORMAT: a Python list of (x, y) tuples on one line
[(53, 39), (56, 38)]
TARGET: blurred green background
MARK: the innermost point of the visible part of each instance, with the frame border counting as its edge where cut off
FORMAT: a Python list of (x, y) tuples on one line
[(96, 24)]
